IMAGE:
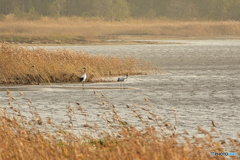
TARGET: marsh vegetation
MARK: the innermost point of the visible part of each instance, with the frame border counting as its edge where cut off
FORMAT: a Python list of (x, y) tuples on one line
[(26, 135), (77, 30), (20, 65), (36, 138)]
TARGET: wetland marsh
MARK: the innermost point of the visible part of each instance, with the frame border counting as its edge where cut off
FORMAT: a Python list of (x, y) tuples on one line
[(200, 79)]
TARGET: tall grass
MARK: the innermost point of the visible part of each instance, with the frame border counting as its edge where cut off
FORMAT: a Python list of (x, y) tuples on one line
[(30, 138), (20, 65), (76, 29)]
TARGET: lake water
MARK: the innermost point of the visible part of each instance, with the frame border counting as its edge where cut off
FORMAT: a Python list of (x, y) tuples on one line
[(201, 80)]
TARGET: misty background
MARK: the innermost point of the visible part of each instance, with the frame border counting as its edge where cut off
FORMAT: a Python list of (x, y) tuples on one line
[(123, 9)]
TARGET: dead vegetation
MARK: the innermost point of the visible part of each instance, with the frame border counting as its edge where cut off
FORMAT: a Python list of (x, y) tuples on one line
[(20, 65), (30, 138), (80, 30)]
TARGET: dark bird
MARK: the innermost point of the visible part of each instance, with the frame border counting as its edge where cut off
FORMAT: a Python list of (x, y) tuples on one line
[(83, 77), (121, 79)]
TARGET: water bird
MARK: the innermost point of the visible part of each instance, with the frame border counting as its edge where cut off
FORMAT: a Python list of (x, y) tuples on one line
[(83, 77), (121, 79)]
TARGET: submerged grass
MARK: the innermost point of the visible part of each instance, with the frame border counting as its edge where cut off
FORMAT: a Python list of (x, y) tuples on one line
[(25, 138), (20, 65)]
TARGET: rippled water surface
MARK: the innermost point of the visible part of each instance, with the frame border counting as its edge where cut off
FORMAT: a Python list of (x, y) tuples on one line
[(201, 80)]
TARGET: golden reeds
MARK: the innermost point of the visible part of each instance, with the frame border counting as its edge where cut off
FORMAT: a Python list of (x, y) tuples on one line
[(24, 138), (79, 30), (20, 65)]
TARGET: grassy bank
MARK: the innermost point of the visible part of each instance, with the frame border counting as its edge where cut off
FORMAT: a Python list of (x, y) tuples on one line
[(36, 138), (20, 65), (79, 30)]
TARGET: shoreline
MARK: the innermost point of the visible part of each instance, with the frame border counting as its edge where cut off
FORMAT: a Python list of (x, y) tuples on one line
[(122, 40)]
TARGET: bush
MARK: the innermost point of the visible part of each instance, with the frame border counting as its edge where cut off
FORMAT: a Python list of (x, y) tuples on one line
[(32, 15)]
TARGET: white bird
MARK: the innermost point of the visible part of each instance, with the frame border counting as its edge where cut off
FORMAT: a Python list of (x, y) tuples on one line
[(121, 79), (83, 77)]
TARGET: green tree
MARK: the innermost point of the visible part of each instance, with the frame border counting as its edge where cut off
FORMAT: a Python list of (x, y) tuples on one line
[(31, 15), (56, 7), (119, 10), (234, 10), (182, 9), (101, 8)]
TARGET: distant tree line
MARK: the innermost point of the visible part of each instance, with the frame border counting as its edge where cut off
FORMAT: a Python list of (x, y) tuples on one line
[(121, 9)]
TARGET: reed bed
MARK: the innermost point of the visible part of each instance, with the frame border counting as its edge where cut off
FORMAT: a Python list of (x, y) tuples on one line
[(20, 65), (79, 30), (30, 138)]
